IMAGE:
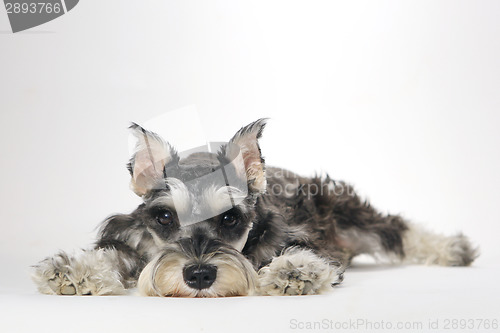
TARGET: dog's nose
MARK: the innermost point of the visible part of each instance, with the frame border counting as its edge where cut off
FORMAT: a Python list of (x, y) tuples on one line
[(200, 276)]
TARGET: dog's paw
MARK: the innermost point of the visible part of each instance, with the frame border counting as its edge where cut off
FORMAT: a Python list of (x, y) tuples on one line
[(459, 252), (89, 274), (51, 276), (298, 272)]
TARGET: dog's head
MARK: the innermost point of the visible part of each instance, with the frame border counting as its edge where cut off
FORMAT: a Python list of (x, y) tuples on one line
[(199, 211)]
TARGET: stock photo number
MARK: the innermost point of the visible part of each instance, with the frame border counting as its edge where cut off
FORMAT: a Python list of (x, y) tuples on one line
[(470, 324), (32, 7), (26, 14)]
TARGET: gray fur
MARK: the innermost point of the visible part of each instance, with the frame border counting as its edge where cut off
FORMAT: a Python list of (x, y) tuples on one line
[(299, 233)]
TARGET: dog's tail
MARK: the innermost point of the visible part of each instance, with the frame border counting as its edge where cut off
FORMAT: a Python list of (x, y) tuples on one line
[(424, 247)]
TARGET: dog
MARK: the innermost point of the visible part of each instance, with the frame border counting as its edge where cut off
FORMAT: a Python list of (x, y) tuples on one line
[(225, 224)]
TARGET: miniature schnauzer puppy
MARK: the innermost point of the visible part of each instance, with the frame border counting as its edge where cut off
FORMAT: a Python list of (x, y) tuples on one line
[(224, 224)]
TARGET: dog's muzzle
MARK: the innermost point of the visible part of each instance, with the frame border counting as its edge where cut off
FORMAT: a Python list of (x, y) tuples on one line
[(187, 268)]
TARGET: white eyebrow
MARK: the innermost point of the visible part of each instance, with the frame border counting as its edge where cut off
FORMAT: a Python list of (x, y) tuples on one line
[(222, 199), (177, 198)]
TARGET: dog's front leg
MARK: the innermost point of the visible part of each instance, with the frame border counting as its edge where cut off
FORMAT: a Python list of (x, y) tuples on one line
[(299, 271), (104, 271)]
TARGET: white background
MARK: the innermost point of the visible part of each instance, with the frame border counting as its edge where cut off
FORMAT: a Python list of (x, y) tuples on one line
[(402, 99)]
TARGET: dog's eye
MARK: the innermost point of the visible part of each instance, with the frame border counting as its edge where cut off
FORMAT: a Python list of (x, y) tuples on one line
[(165, 217), (229, 219)]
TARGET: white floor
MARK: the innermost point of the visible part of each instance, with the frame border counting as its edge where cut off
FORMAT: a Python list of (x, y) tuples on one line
[(398, 97), (372, 298)]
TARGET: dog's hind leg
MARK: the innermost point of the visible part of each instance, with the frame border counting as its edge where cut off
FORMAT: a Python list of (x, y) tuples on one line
[(413, 244), (361, 229)]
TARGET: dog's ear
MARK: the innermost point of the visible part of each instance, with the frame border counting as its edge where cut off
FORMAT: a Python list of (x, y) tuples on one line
[(246, 139), (147, 164)]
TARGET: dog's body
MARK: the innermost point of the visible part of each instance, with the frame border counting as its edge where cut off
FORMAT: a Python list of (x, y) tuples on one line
[(298, 233)]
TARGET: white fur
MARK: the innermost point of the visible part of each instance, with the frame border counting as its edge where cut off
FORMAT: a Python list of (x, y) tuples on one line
[(178, 198), (89, 273), (424, 247), (223, 198), (163, 276), (298, 272)]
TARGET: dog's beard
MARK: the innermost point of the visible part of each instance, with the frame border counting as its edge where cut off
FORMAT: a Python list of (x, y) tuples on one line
[(163, 276)]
